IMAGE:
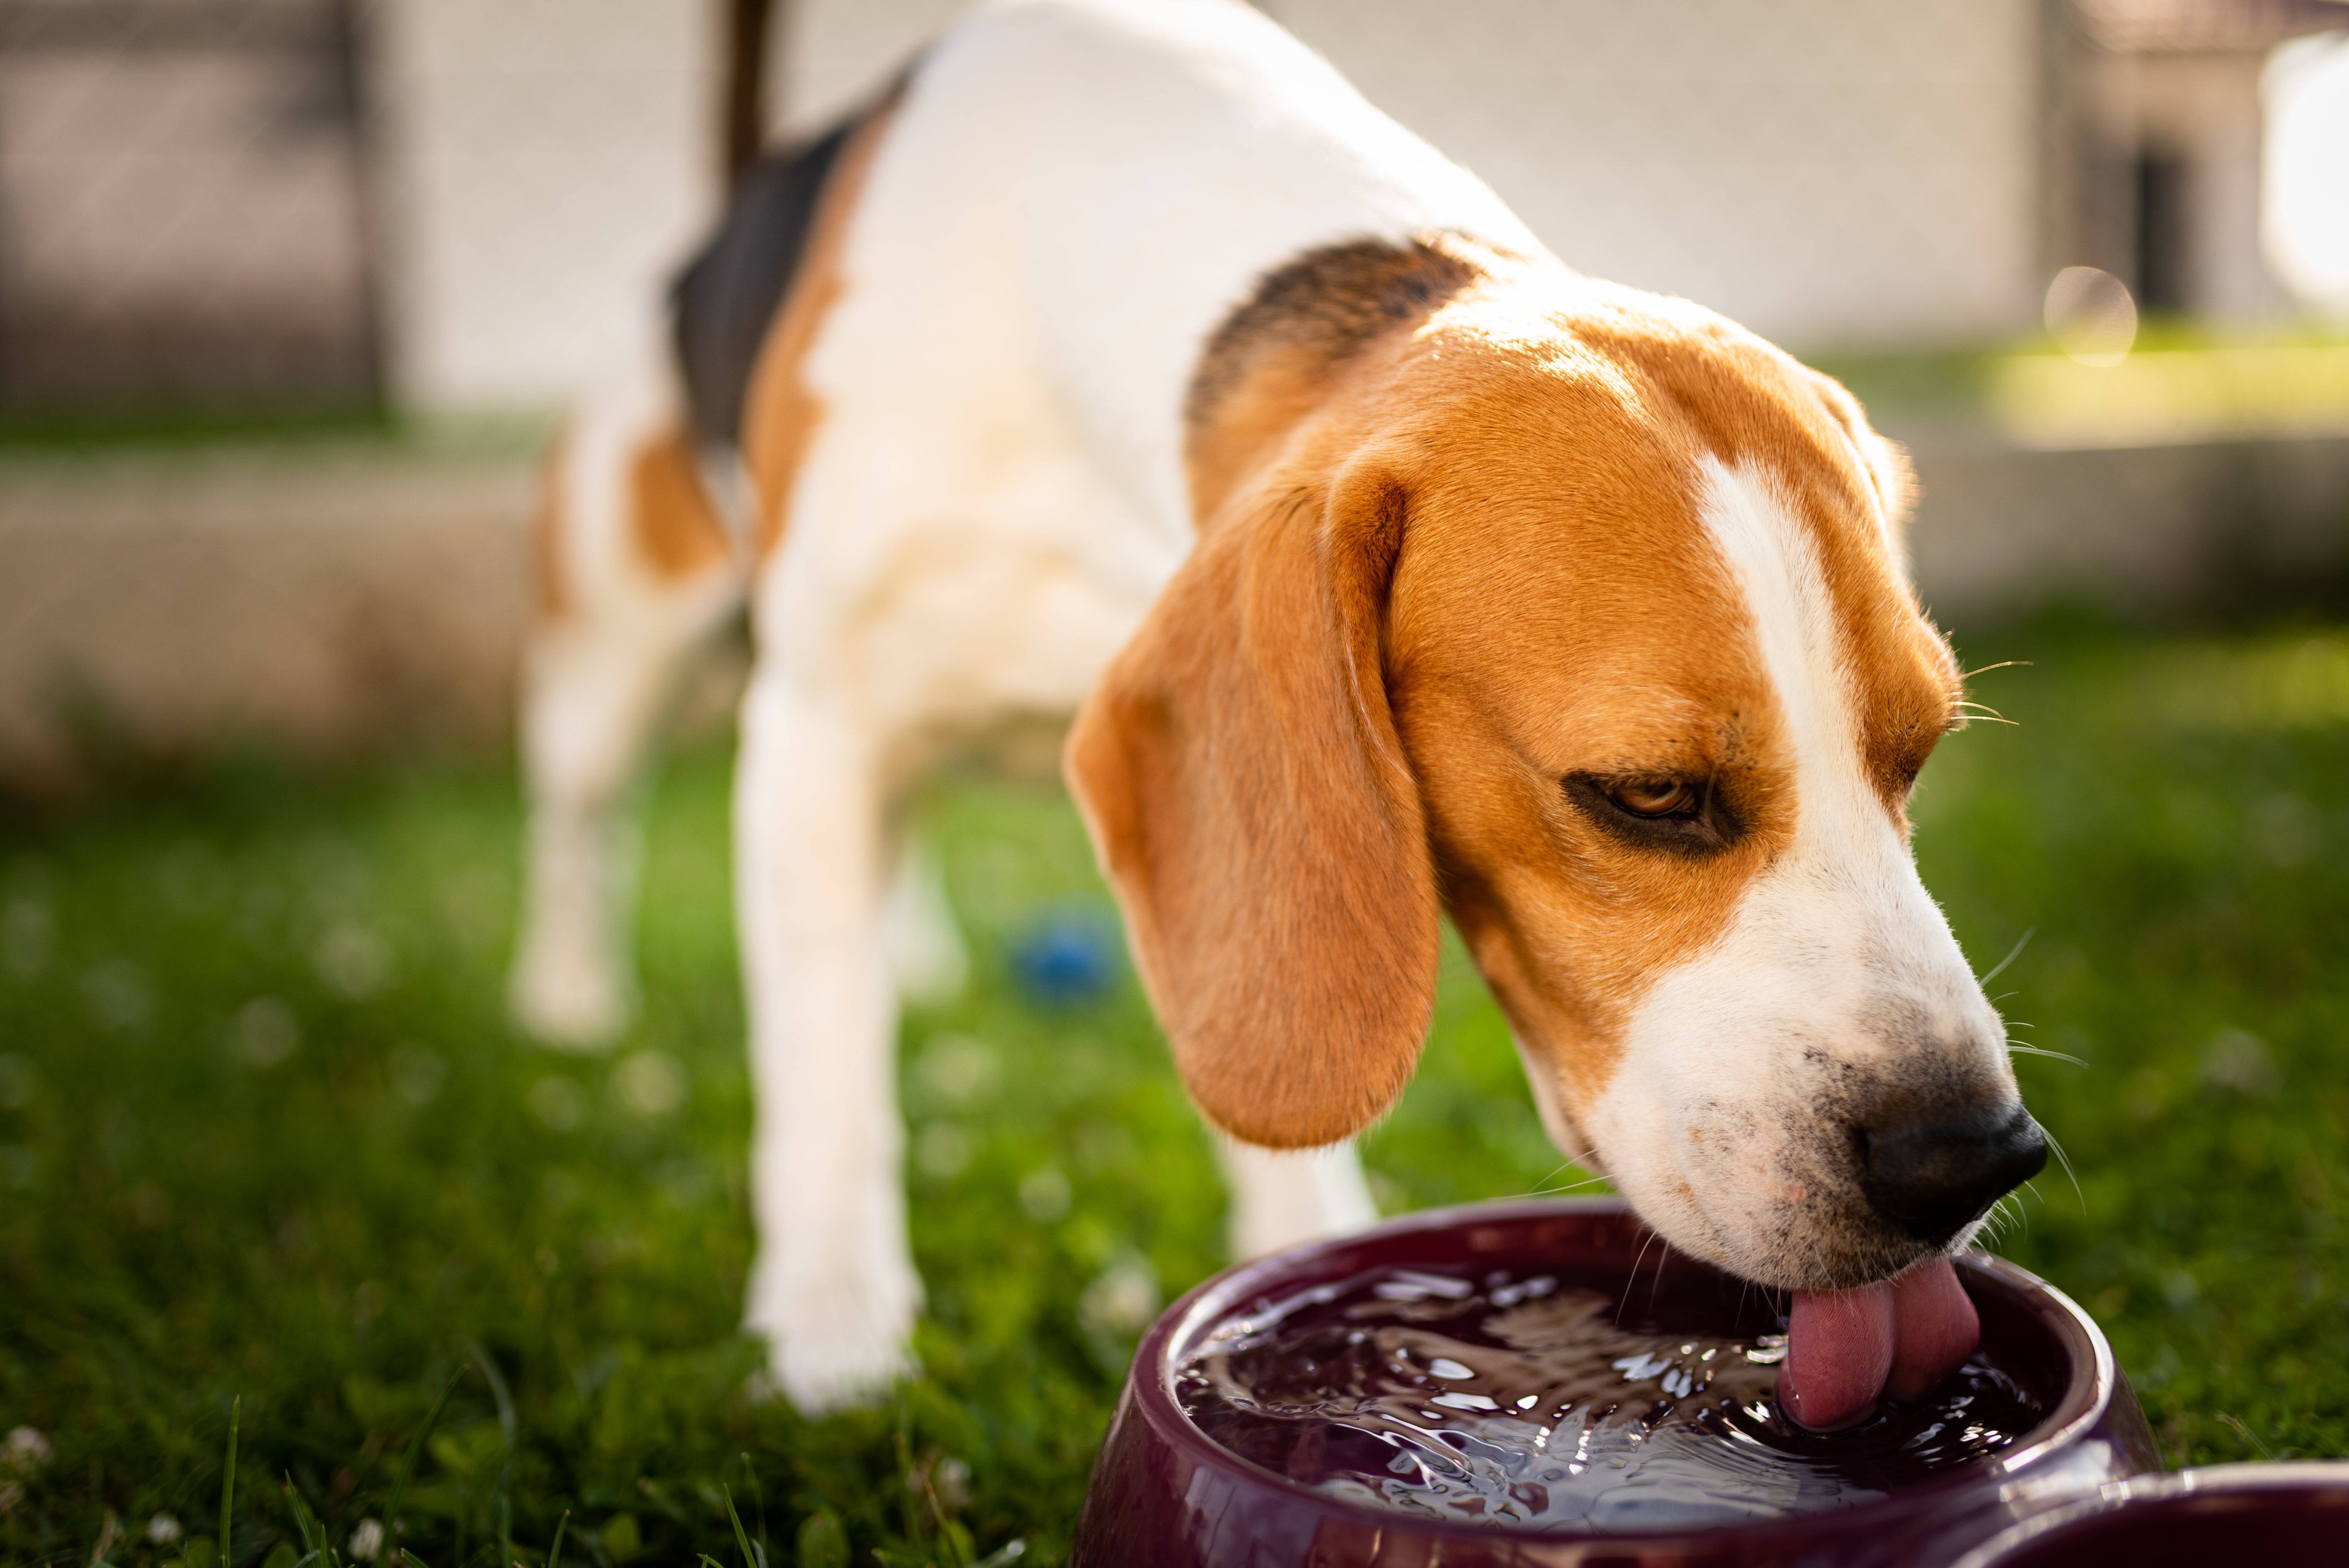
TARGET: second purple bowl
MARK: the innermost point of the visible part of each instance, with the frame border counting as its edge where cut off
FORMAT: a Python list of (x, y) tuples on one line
[(1165, 1495), (2249, 1513)]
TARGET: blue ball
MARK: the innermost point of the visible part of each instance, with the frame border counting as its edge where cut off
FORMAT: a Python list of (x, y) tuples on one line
[(1064, 961)]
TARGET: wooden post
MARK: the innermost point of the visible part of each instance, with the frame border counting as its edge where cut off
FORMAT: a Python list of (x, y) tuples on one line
[(748, 24)]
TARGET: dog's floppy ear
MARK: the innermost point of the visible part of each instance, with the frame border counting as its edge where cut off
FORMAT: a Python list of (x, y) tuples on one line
[(1239, 770)]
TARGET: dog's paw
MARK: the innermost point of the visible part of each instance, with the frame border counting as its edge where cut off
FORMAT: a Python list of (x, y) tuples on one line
[(842, 1338), (566, 1001), (819, 1377)]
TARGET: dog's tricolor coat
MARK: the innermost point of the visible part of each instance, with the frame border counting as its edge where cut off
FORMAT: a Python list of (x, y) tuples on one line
[(1126, 363)]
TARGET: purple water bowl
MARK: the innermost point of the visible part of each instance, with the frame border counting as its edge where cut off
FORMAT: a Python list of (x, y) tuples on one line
[(2263, 1514), (1165, 1495)]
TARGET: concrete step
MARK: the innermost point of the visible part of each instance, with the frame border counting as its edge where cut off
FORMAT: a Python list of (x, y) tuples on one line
[(333, 599)]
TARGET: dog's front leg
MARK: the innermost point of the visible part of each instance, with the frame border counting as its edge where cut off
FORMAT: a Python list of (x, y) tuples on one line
[(833, 1288), (1281, 1197)]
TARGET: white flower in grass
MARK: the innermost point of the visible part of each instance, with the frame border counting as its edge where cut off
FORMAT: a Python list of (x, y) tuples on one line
[(944, 1148), (27, 1451), (2241, 1060), (366, 1540), (1045, 1194), (649, 1084), (352, 960), (163, 1530), (265, 1032), (959, 1068), (1121, 1299)]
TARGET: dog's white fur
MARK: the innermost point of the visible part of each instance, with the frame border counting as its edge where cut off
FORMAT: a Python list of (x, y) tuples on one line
[(1069, 199), (1703, 1120), (1071, 195)]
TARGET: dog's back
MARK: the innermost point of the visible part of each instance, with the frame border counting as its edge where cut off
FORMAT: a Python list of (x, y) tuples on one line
[(725, 298), (1068, 197)]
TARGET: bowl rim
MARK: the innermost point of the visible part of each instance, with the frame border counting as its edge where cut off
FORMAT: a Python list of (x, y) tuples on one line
[(2084, 1402), (2246, 1481)]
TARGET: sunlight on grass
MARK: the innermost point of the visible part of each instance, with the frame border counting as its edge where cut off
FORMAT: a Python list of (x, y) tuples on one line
[(2288, 683), (2048, 400), (2182, 382)]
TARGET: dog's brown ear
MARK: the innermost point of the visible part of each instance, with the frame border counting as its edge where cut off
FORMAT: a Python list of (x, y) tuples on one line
[(1889, 472), (1239, 770)]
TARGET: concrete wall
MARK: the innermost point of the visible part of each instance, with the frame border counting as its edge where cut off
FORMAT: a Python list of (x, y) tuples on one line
[(337, 602), (1825, 171), (543, 165), (2158, 529), (1829, 171), (2203, 110), (180, 218), (318, 601), (830, 55)]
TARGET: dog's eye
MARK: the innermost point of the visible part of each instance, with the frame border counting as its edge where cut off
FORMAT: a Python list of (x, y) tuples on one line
[(1678, 816), (1655, 798)]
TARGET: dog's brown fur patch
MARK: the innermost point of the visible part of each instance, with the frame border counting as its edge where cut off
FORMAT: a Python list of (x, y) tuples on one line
[(676, 530), (1441, 571), (1270, 364), (780, 413)]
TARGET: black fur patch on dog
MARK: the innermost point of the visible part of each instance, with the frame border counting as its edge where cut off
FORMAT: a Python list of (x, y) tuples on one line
[(724, 300), (1321, 309)]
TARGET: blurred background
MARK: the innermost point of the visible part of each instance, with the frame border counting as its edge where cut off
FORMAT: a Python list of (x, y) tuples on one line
[(231, 230), (291, 295)]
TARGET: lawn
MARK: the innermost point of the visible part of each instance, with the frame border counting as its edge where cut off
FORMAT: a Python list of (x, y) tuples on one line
[(264, 1138)]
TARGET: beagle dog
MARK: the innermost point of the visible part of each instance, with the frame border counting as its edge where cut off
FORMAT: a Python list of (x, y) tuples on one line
[(1124, 363)]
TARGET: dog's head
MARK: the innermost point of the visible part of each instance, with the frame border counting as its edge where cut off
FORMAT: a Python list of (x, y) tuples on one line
[(1581, 615)]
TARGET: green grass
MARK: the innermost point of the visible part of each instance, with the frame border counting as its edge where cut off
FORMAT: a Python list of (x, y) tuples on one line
[(2183, 379), (265, 1137)]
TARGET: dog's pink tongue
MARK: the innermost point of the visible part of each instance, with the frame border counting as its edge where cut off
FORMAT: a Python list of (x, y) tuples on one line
[(1845, 1347), (1839, 1345), (1935, 1325)]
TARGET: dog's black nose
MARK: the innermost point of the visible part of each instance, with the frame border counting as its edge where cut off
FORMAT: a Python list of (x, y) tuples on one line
[(1935, 1175)]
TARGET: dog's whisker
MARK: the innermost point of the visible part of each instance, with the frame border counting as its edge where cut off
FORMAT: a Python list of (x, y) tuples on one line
[(1982, 710), (1567, 1187), (2002, 664), (1573, 1162), (1632, 1282), (1552, 1174), (2066, 1161), (2017, 1048), (2011, 954)]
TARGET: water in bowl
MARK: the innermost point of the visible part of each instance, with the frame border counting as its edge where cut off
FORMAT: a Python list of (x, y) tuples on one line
[(1519, 1399)]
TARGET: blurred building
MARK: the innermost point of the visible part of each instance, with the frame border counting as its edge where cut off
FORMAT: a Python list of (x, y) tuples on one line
[(179, 204), (2161, 114), (472, 205)]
